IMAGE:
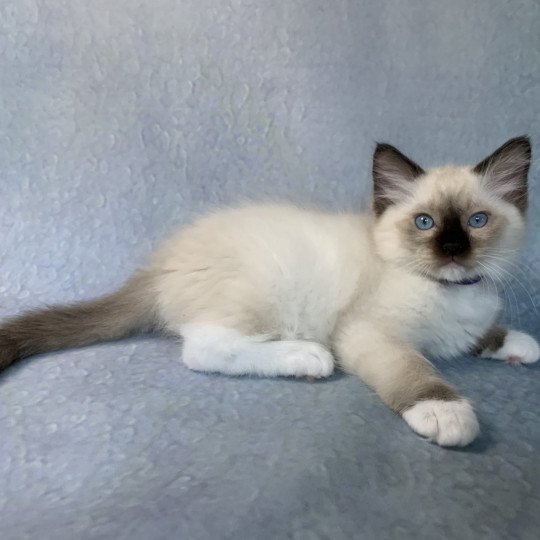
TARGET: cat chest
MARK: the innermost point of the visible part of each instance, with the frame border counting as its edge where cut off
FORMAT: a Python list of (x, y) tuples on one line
[(451, 323)]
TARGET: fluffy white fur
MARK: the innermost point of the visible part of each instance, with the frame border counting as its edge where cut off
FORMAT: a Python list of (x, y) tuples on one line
[(448, 423), (217, 349)]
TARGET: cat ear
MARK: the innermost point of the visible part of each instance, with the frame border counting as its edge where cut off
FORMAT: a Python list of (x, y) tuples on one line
[(393, 174), (505, 171)]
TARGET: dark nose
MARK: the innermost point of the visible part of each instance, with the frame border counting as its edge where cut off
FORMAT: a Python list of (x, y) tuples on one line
[(454, 248)]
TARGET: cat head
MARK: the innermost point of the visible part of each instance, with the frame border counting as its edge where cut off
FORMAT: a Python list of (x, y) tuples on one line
[(451, 223)]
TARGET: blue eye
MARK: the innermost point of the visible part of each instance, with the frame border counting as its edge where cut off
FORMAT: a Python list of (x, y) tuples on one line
[(424, 222), (478, 220)]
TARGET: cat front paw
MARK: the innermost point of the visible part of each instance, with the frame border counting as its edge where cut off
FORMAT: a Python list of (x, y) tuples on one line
[(447, 423), (518, 348)]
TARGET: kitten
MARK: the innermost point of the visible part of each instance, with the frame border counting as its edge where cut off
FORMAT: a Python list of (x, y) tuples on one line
[(273, 289)]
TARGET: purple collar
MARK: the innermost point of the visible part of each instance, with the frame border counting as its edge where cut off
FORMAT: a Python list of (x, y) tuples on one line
[(466, 281)]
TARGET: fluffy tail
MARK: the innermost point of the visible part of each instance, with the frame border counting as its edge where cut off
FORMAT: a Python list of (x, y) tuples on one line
[(110, 317)]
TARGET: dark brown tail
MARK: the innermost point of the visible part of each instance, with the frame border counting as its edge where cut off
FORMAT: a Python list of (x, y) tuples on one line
[(114, 316)]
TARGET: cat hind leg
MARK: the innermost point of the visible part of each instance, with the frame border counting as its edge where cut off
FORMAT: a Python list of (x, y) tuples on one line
[(219, 349)]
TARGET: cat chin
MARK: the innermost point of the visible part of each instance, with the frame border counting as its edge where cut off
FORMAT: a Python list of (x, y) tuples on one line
[(454, 272)]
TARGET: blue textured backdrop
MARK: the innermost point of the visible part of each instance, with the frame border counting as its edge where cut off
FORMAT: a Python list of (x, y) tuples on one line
[(121, 120)]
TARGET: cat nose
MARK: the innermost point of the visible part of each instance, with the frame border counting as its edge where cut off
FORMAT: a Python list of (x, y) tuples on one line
[(454, 248)]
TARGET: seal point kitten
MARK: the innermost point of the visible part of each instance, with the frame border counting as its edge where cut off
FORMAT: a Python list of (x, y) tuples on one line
[(279, 290)]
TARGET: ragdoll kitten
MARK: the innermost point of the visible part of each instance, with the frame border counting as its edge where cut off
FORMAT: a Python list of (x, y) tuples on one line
[(273, 289)]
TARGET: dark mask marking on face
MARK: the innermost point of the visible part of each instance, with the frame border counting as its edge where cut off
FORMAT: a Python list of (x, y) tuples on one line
[(452, 240)]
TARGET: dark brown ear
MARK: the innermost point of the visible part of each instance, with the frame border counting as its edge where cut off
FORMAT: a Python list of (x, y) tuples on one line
[(392, 174), (506, 171)]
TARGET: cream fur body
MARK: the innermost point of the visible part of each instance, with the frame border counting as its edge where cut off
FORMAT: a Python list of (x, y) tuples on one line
[(290, 273), (275, 270)]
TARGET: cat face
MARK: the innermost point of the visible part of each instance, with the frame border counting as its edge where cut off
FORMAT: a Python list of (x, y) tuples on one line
[(451, 223)]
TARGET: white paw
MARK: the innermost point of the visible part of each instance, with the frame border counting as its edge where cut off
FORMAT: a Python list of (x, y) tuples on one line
[(448, 423), (518, 348), (307, 359)]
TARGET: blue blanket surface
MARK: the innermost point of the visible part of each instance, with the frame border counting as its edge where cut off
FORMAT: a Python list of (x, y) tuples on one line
[(120, 121)]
